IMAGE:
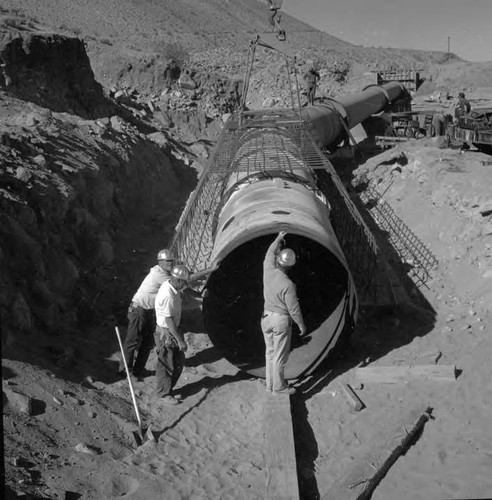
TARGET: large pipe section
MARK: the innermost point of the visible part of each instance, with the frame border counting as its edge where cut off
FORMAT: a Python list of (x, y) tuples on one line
[(353, 109), (277, 191)]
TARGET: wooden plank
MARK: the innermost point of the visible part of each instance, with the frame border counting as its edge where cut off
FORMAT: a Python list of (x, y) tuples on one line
[(280, 456), (398, 374), (353, 400), (384, 449)]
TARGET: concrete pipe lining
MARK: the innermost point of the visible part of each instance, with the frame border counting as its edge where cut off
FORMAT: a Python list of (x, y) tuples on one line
[(234, 304), (246, 224)]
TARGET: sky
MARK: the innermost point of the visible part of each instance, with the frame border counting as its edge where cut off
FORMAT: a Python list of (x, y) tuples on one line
[(407, 24)]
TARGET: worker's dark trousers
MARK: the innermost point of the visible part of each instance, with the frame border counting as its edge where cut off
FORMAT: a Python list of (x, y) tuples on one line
[(140, 335), (311, 94), (170, 362)]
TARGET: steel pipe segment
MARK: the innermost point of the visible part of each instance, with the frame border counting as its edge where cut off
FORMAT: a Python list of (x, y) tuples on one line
[(325, 119), (255, 208)]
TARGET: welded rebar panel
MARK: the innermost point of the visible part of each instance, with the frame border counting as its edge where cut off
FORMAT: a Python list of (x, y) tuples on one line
[(410, 249)]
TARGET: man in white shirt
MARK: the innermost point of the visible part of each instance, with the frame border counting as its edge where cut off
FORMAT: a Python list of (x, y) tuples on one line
[(169, 339), (141, 315)]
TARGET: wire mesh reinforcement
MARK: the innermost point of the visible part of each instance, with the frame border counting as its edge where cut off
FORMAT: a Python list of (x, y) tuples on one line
[(271, 142), (410, 249)]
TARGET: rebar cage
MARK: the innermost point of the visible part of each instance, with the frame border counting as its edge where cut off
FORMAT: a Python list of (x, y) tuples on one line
[(276, 143)]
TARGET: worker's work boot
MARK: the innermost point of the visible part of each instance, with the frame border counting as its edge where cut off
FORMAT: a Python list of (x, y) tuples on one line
[(287, 390), (170, 400), (142, 374)]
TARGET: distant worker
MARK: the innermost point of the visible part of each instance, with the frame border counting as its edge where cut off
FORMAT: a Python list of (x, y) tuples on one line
[(463, 106), (141, 316), (281, 307), (275, 17), (311, 78), (169, 338)]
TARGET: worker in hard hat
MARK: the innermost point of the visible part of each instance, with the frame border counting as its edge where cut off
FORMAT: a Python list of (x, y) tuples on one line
[(141, 316), (169, 339), (463, 106), (281, 308), (311, 77)]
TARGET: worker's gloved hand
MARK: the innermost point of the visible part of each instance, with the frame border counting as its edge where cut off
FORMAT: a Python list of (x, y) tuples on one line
[(183, 346), (303, 330), (281, 236)]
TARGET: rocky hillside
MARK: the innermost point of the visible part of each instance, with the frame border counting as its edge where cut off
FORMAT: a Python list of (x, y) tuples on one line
[(78, 167), (144, 24), (130, 43)]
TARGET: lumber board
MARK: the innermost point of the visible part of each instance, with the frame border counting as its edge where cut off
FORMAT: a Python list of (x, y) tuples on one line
[(397, 374), (356, 404), (280, 457), (383, 451)]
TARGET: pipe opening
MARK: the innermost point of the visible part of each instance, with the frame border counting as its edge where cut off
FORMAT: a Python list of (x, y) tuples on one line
[(234, 304)]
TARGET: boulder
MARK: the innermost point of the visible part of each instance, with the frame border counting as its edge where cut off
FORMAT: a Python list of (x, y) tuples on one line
[(159, 138), (23, 174), (186, 82), (40, 160), (268, 102), (19, 402), (116, 123), (199, 149)]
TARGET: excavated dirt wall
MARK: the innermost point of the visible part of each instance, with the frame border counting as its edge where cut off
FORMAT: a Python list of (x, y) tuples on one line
[(77, 196), (65, 202), (52, 71)]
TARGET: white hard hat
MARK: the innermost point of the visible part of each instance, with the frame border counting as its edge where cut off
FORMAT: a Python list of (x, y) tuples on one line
[(165, 254), (180, 272), (286, 258)]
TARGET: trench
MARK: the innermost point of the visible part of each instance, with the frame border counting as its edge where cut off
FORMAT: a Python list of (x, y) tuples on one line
[(234, 304)]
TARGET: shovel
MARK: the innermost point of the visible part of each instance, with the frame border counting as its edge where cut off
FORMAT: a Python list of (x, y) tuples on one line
[(140, 433)]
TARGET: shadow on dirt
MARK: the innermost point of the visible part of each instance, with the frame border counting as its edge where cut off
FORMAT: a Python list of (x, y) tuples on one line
[(380, 329), (207, 383), (210, 383), (378, 332), (209, 355)]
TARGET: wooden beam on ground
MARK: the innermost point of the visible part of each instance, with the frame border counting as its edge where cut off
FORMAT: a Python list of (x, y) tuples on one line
[(383, 451), (356, 404), (280, 456), (382, 140), (398, 374)]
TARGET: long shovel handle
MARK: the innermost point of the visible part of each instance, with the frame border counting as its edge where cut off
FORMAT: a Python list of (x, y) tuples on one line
[(129, 379)]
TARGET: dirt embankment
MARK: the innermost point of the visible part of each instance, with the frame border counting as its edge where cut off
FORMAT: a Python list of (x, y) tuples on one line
[(70, 187), (52, 71), (88, 187)]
